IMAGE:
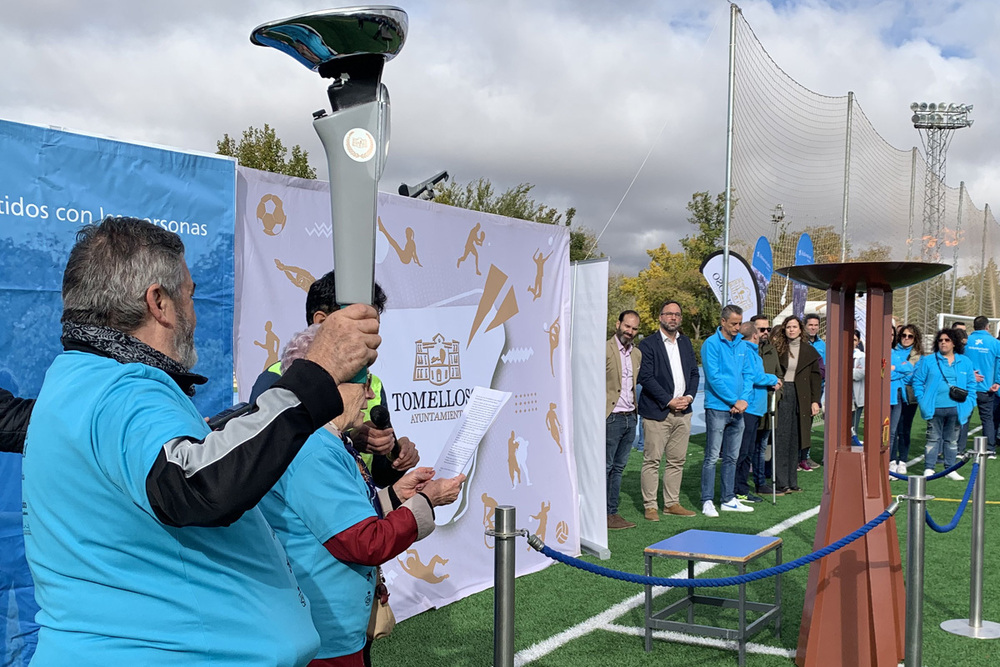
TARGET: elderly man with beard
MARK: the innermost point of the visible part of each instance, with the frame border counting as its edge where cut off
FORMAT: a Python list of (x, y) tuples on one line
[(141, 527)]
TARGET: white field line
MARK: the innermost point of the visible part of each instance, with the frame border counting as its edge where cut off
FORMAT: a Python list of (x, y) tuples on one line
[(694, 640), (604, 619)]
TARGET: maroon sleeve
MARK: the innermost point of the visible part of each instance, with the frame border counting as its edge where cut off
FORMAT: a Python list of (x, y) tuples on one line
[(374, 541)]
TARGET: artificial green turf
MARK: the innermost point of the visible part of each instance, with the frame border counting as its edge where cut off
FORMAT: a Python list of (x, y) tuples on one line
[(560, 597)]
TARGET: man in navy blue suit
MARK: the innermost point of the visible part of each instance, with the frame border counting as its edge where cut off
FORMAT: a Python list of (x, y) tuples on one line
[(668, 374)]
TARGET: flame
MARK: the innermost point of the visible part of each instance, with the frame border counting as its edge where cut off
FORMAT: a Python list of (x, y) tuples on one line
[(951, 237)]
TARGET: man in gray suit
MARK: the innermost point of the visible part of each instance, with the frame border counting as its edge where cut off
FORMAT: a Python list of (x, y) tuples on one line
[(622, 360)]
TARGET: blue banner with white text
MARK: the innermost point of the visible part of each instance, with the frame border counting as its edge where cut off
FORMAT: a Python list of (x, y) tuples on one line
[(52, 183), (763, 267)]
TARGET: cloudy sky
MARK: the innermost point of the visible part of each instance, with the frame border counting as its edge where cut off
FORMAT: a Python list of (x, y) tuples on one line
[(568, 95)]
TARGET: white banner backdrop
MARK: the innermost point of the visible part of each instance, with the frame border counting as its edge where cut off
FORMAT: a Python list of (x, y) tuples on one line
[(590, 317), (473, 299)]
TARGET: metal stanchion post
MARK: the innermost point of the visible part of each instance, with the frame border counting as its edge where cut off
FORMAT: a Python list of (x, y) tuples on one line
[(915, 571), (975, 626), (503, 586)]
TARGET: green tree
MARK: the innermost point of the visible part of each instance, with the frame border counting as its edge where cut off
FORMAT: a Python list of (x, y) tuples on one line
[(260, 148), (516, 202), (709, 217), (618, 299), (677, 275)]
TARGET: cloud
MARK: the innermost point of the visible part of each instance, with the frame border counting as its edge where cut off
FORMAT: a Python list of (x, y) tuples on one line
[(571, 97)]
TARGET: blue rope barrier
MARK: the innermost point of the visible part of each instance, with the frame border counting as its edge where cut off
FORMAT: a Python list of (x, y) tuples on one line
[(721, 581), (858, 443), (961, 508), (935, 475)]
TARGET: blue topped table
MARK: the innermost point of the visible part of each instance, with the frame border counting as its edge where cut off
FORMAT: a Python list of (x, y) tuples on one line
[(714, 547)]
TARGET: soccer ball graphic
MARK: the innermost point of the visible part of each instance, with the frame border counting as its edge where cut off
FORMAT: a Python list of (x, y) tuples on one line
[(271, 214)]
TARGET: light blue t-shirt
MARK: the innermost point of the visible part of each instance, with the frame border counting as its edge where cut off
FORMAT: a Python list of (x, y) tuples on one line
[(820, 346), (728, 378), (901, 374), (115, 585), (757, 405), (984, 352), (930, 383), (320, 495)]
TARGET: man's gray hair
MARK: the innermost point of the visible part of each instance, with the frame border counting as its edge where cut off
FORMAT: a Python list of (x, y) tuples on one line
[(730, 310), (111, 267)]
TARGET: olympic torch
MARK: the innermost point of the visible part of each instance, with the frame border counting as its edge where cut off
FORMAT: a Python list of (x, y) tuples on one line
[(349, 46)]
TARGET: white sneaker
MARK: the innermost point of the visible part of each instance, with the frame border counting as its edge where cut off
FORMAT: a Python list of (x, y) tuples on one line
[(735, 505), (953, 475), (708, 509), (892, 467), (901, 467), (928, 472)]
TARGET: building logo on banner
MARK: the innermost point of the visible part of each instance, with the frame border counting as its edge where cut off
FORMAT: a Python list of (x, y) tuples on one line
[(271, 214), (359, 144), (740, 292), (437, 361)]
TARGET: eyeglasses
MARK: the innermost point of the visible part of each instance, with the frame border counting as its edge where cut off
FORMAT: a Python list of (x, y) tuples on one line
[(671, 314), (944, 340), (906, 335), (763, 329)]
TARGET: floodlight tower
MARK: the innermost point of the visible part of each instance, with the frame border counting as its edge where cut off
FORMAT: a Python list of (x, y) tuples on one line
[(936, 123)]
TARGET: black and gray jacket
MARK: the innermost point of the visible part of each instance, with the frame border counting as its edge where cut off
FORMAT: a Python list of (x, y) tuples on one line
[(213, 480), (14, 415)]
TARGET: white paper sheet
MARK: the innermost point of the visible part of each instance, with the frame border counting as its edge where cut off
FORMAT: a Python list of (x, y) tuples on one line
[(480, 412)]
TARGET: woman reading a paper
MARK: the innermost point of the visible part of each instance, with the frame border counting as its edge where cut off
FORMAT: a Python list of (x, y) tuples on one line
[(336, 527)]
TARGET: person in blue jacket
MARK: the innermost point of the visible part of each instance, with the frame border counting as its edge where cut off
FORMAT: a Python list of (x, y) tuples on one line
[(932, 380), (752, 447), (902, 364), (909, 346), (984, 351), (728, 390)]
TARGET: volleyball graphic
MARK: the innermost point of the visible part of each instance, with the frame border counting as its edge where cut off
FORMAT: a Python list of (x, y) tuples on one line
[(562, 532)]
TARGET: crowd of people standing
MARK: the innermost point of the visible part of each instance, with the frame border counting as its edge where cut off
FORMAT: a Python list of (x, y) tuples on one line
[(960, 374), (766, 386)]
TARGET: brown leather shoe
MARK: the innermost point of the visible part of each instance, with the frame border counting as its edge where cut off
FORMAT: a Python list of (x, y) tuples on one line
[(616, 522), (651, 514), (677, 510)]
